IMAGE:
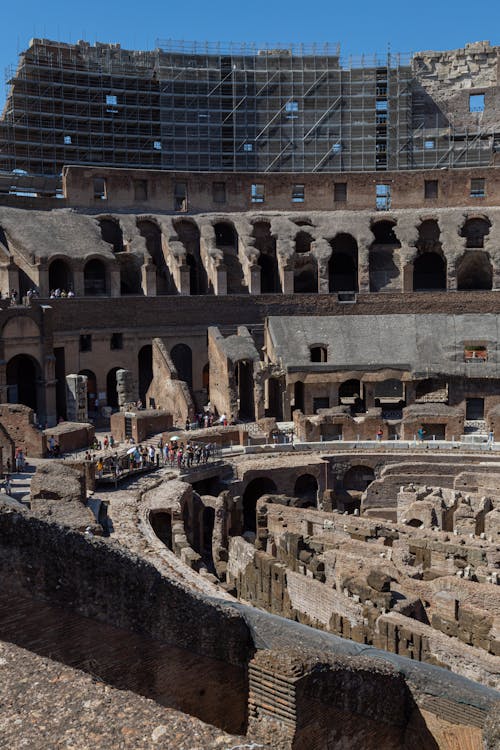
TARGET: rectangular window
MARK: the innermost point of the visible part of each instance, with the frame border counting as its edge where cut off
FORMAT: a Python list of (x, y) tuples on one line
[(116, 341), (180, 196), (429, 144), (337, 148), (475, 353), (86, 342), (383, 197), (477, 187), (257, 192), (292, 107), (140, 190), (100, 189), (321, 402), (111, 99), (248, 147), (476, 102), (219, 192), (340, 192), (67, 140), (431, 189), (298, 194), (381, 105), (157, 145)]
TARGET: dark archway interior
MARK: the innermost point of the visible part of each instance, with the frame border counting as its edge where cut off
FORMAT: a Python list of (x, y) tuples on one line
[(474, 271), (343, 264), (303, 241), (182, 357), (94, 277), (22, 374), (275, 398), (384, 257), (152, 235), (111, 232), (161, 522), (306, 488), (384, 233), (111, 389), (357, 478), (475, 230), (130, 274), (189, 235), (255, 489), (243, 373), (145, 365), (268, 262), (429, 272), (305, 280), (60, 275), (225, 234), (298, 391)]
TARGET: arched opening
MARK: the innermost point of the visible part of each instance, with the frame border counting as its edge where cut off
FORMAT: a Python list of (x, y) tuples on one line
[(355, 481), (306, 488), (303, 241), (152, 235), (161, 523), (343, 264), (226, 239), (429, 267), (429, 272), (225, 234), (432, 390), (351, 394), (91, 390), (111, 232), (145, 367), (275, 390), (94, 277), (189, 235), (111, 388), (243, 375), (60, 275), (389, 393), (268, 262), (130, 274), (474, 271), (475, 230), (23, 373), (415, 523), (319, 353), (298, 394), (254, 490), (384, 257), (208, 522), (305, 279), (182, 357)]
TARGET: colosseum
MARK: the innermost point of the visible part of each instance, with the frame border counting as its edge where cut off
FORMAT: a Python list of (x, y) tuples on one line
[(250, 398)]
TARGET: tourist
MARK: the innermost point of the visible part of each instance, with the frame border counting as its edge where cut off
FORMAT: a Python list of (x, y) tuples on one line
[(421, 432), (99, 468), (380, 433), (111, 442)]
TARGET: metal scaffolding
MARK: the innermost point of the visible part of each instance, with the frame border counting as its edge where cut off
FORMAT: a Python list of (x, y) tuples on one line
[(225, 107)]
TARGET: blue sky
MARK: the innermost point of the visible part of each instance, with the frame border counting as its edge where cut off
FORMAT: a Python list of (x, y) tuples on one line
[(360, 27)]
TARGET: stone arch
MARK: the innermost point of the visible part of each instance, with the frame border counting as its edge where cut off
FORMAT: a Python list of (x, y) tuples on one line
[(152, 234), (384, 257), (475, 230), (351, 394), (357, 478), (268, 262), (474, 271), (303, 242), (60, 274), (343, 264), (95, 278), (189, 234), (145, 369), (182, 357), (23, 376), (254, 490), (306, 488), (111, 232), (429, 266), (111, 388)]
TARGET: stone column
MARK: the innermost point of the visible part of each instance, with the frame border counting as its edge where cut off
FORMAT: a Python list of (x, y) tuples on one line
[(78, 280), (148, 281), (125, 387), (254, 279), (76, 398), (43, 279), (114, 282)]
